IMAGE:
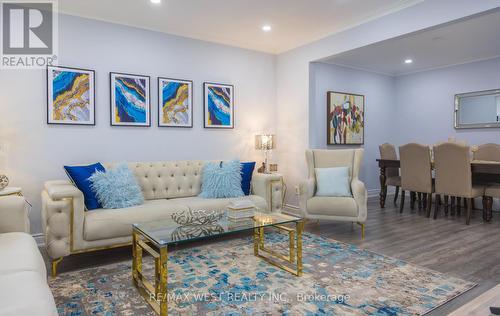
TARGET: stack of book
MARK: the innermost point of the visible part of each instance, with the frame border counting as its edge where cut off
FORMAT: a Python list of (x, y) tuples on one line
[(241, 223), (239, 210)]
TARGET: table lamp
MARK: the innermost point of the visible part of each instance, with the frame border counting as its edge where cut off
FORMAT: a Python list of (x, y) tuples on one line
[(265, 143), (4, 181)]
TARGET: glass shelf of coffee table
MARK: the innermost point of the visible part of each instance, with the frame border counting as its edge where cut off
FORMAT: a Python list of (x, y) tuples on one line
[(155, 237)]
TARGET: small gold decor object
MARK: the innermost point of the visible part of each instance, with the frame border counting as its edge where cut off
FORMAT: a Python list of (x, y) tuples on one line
[(263, 220)]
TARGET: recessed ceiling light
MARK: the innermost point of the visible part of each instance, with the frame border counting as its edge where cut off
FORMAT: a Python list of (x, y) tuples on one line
[(266, 28), (408, 61), (155, 1)]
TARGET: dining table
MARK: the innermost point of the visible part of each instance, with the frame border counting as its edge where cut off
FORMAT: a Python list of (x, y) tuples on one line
[(483, 172)]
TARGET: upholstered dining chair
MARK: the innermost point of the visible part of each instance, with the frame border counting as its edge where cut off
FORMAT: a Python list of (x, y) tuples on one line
[(416, 173), (352, 208), (388, 151), (488, 153), (454, 175)]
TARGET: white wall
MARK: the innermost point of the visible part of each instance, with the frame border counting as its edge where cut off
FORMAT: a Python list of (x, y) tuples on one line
[(37, 152), (292, 71), (271, 94), (379, 111), (411, 108), (426, 102)]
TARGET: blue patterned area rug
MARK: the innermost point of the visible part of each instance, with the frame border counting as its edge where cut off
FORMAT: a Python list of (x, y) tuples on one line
[(225, 278)]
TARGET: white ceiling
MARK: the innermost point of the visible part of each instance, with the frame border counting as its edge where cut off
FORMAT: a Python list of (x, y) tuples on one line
[(238, 22), (461, 42)]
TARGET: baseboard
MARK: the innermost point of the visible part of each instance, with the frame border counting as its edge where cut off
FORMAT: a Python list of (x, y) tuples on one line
[(40, 239)]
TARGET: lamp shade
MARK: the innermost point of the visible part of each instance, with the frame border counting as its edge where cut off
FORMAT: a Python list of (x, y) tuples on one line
[(265, 142)]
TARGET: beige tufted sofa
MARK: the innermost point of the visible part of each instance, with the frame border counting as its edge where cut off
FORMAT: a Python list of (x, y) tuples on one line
[(167, 187)]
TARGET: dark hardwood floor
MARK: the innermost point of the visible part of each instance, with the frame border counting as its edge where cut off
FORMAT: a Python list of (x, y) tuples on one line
[(445, 244)]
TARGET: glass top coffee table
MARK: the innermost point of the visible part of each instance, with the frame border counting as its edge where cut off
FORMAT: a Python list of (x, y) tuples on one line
[(155, 237)]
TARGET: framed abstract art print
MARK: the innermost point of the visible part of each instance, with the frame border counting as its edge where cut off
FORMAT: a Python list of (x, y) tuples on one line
[(219, 105), (345, 118), (175, 102), (130, 100), (70, 96)]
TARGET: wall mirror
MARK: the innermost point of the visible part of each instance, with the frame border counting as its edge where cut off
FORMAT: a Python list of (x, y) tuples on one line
[(477, 109)]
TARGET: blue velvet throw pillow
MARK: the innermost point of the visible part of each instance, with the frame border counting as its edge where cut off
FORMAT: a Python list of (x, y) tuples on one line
[(79, 175), (117, 188), (246, 176), (221, 180)]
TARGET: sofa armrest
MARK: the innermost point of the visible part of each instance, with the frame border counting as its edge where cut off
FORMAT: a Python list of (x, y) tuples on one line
[(14, 215), (361, 197), (61, 189), (270, 187), (62, 205), (306, 191)]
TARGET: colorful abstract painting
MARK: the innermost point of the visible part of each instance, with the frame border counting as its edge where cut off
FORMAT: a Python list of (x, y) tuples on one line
[(345, 118), (219, 106), (70, 96), (130, 102), (175, 102)]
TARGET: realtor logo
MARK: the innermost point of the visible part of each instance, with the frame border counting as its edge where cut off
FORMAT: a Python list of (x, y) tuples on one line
[(28, 34)]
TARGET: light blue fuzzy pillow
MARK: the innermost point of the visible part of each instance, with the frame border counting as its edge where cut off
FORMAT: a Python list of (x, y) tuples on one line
[(116, 188), (221, 180)]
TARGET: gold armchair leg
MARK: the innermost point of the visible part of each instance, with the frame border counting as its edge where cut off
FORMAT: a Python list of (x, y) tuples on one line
[(55, 262), (362, 230)]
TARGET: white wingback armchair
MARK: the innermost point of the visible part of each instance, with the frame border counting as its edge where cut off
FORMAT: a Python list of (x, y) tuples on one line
[(347, 209)]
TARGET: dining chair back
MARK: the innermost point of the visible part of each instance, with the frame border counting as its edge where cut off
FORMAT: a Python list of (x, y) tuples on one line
[(388, 152), (453, 170), (487, 152), (452, 163), (416, 168)]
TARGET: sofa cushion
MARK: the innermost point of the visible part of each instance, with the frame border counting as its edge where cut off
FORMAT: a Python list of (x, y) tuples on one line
[(25, 293), (333, 181), (199, 203), (112, 223), (167, 179), (221, 180), (116, 188), (19, 252), (246, 176), (79, 175), (340, 206)]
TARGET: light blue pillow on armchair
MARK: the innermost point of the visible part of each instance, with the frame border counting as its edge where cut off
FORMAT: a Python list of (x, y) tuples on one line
[(116, 188), (333, 181), (221, 180)]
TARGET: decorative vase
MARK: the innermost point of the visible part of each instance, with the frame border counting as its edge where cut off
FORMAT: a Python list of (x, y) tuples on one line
[(4, 181)]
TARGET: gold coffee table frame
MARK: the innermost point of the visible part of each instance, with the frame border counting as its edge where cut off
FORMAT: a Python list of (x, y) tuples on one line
[(156, 293)]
